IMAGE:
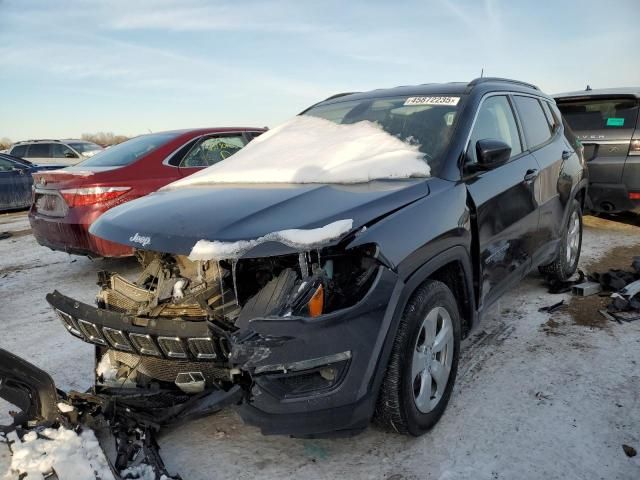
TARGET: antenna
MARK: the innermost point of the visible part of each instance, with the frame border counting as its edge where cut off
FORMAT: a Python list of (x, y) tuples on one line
[(482, 72), (588, 88)]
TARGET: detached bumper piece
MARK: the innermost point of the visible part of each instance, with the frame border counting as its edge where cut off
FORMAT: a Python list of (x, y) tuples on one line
[(30, 389), (126, 422), (167, 338)]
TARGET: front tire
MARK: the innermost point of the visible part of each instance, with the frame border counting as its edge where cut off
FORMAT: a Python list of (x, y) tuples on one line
[(423, 364), (566, 261)]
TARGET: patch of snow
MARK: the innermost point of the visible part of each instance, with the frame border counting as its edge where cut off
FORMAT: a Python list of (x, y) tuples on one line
[(65, 407), (314, 150), (105, 368), (141, 472), (178, 293), (297, 238), (72, 456)]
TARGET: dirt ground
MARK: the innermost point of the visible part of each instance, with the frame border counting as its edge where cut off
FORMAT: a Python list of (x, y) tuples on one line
[(538, 395)]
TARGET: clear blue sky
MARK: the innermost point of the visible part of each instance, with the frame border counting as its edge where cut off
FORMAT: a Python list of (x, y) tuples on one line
[(73, 66)]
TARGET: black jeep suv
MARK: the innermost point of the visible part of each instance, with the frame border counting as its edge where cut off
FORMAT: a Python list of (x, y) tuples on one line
[(322, 306), (607, 124)]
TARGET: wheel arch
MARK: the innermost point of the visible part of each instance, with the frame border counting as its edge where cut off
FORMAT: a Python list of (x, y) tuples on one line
[(452, 267)]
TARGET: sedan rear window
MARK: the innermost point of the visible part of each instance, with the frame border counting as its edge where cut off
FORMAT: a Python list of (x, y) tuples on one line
[(128, 152), (593, 114)]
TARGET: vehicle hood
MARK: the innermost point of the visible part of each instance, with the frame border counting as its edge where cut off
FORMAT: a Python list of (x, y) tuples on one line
[(174, 221)]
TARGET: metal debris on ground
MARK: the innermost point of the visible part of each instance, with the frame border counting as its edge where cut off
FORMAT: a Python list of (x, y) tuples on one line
[(586, 288)]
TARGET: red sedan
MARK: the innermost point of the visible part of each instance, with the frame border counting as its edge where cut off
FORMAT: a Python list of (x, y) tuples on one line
[(67, 201)]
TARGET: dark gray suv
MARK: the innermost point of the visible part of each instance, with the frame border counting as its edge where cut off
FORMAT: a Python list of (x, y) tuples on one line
[(606, 122)]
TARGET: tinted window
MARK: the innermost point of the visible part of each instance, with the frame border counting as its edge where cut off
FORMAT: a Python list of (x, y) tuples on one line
[(83, 147), (5, 165), (212, 150), (534, 122), (19, 151), (495, 121), (600, 114), (551, 118), (60, 150), (427, 125), (39, 150), (128, 152)]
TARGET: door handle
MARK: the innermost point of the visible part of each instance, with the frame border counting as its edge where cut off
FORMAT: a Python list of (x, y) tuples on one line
[(531, 174), (566, 154)]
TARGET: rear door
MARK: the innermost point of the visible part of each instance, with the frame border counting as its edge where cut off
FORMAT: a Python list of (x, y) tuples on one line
[(542, 136), (210, 150), (39, 153), (504, 200), (605, 126)]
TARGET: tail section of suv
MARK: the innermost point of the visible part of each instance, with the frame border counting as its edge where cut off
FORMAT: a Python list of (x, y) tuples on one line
[(606, 122), (63, 152)]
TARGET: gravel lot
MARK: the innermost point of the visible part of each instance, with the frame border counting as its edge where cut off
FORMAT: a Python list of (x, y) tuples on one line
[(538, 396)]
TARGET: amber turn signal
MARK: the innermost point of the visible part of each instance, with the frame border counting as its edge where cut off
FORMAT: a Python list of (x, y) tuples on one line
[(316, 303)]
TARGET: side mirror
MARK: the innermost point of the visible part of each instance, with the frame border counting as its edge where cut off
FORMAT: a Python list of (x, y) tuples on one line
[(492, 153), (68, 154)]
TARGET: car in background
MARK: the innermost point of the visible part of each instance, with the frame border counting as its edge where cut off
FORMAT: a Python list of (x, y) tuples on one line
[(16, 181), (607, 124), (68, 201), (66, 152)]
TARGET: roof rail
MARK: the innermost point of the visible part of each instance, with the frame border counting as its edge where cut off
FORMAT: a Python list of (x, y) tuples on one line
[(480, 80), (38, 140), (338, 95)]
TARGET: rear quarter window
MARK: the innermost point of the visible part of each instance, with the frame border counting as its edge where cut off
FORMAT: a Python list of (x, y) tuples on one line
[(534, 121), (19, 151)]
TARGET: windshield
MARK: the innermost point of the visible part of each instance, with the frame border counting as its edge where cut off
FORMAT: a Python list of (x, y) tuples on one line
[(85, 147), (128, 152), (593, 114), (423, 121)]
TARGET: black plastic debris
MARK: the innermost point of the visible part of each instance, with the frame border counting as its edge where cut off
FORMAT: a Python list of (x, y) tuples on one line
[(553, 308), (4, 235), (558, 286)]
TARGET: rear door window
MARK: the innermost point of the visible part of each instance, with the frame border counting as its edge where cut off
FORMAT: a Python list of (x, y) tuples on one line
[(593, 114), (495, 121), (213, 150), (537, 129), (39, 150)]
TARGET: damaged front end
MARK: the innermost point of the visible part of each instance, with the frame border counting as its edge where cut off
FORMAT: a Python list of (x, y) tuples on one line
[(295, 333)]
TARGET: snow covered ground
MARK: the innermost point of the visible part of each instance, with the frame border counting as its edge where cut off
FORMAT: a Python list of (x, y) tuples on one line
[(534, 398)]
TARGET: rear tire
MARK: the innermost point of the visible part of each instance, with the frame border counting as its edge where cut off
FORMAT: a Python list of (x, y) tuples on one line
[(566, 261), (424, 361)]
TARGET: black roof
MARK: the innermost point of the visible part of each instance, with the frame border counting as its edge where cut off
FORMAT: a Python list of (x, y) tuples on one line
[(451, 88), (600, 92)]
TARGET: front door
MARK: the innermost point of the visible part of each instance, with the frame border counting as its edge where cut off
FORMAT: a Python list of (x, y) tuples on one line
[(504, 201)]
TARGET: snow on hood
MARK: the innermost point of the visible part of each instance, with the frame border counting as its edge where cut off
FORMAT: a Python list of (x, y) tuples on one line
[(307, 149), (297, 238)]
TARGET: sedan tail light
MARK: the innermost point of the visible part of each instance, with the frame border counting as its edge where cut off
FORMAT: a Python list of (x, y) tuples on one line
[(77, 197), (634, 147)]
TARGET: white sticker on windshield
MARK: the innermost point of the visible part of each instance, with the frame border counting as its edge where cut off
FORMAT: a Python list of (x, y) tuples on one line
[(432, 101)]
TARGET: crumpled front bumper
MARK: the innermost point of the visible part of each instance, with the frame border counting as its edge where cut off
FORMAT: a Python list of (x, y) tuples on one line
[(310, 376)]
